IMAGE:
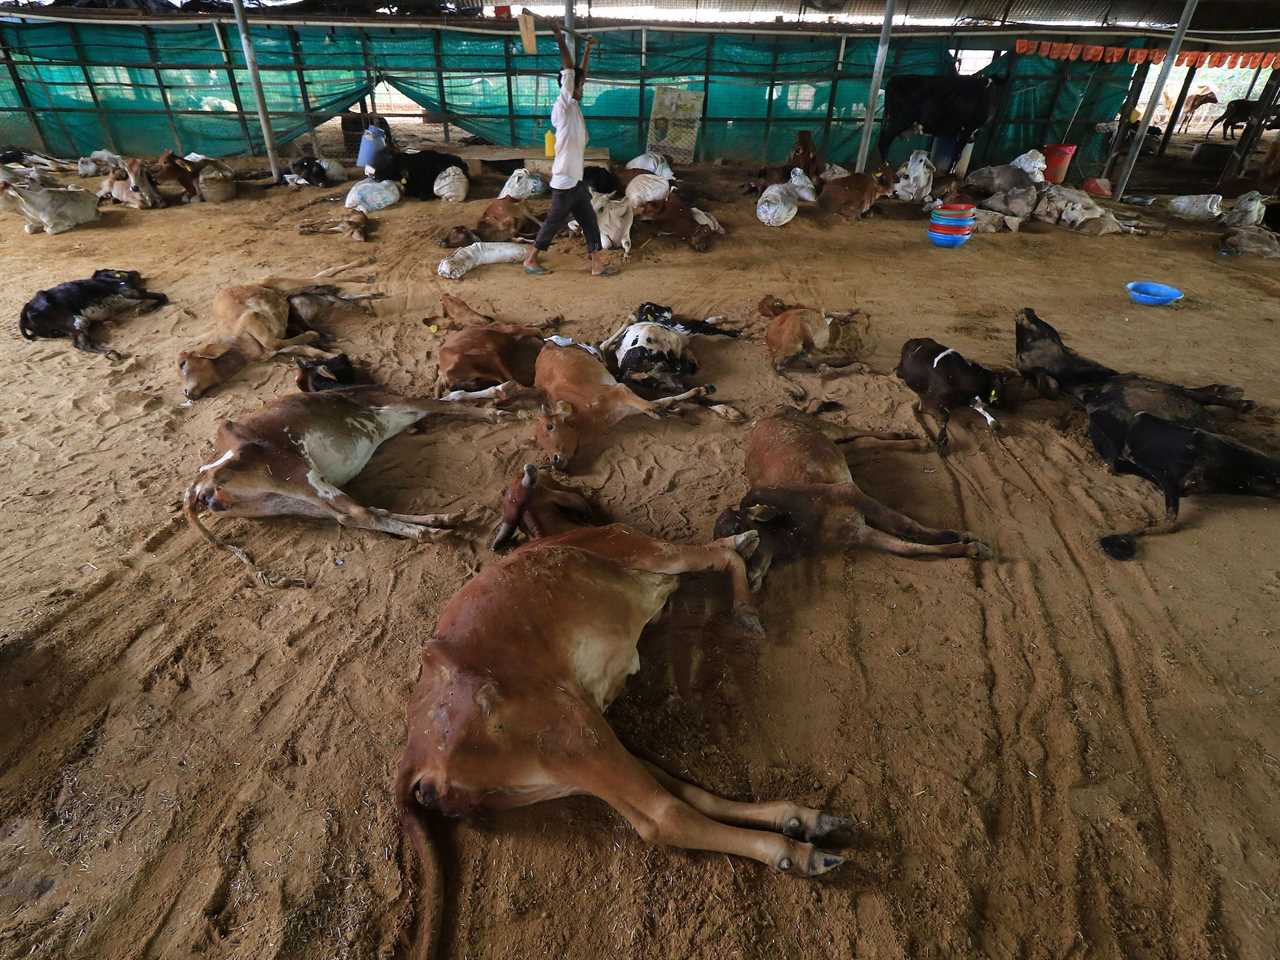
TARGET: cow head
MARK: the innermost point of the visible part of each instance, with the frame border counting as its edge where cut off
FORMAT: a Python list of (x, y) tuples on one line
[(556, 432), (526, 501), (200, 371), (459, 237), (142, 188)]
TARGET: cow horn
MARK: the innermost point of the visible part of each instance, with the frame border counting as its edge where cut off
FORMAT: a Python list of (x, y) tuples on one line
[(506, 530), (530, 476)]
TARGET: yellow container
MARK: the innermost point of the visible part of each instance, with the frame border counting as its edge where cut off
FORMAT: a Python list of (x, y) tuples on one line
[(550, 143)]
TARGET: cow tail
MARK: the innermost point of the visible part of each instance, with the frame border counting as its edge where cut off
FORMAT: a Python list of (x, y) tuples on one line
[(264, 579), (414, 824), (24, 323)]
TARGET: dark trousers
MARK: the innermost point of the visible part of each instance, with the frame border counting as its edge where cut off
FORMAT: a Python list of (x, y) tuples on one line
[(565, 204)]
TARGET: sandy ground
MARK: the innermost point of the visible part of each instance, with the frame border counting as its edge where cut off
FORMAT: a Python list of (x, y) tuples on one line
[(1048, 755)]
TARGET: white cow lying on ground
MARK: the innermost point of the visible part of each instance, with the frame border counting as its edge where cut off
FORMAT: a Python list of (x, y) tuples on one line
[(614, 218), (49, 209)]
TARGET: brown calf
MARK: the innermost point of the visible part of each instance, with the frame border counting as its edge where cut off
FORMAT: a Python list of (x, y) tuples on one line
[(504, 219), (675, 217), (854, 195), (173, 169), (131, 185), (805, 337), (509, 705), (582, 400), (252, 323), (290, 458), (802, 497), (353, 224)]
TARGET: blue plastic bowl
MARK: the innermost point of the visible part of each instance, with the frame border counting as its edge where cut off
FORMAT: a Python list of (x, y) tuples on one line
[(954, 221), (1152, 294), (949, 239)]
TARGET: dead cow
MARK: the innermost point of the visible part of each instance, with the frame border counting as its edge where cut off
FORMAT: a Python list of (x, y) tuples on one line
[(582, 401), (478, 359), (130, 184), (71, 309), (509, 705), (802, 498), (675, 217), (945, 380), (174, 169), (292, 456), (503, 220), (805, 337), (353, 224), (855, 195), (253, 322)]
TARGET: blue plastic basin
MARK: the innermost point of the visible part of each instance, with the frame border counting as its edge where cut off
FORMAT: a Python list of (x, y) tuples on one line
[(1152, 294), (949, 239)]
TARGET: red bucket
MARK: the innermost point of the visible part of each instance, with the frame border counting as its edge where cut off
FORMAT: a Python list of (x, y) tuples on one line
[(1057, 159)]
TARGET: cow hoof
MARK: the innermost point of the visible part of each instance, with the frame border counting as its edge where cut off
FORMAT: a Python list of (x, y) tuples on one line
[(1119, 546), (809, 862), (749, 621), (746, 543), (979, 551), (814, 826)]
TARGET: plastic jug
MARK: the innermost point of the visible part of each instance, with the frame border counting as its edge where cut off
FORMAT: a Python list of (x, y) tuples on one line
[(374, 139), (549, 142)]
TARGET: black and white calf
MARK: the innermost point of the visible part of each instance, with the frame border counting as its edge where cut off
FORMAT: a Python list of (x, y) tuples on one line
[(945, 380), (653, 347), (71, 309)]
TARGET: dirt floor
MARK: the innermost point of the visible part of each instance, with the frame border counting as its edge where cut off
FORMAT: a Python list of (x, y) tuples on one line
[(1049, 754)]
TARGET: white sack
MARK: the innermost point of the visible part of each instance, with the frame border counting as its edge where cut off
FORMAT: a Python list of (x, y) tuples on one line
[(462, 261), (451, 185), (370, 195)]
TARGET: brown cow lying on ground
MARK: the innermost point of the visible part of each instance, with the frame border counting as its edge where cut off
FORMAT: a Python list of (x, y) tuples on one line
[(353, 224), (805, 337), (509, 706), (505, 219), (291, 457), (675, 217), (476, 360), (855, 195), (131, 185), (802, 497), (186, 173), (253, 322)]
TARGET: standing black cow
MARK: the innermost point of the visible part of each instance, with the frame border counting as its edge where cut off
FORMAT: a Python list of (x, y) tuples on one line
[(1237, 114), (952, 107)]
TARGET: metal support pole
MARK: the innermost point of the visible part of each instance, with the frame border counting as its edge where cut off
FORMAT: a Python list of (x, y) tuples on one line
[(873, 92), (23, 99), (251, 64), (296, 46), (231, 81), (644, 62), (1253, 129), (768, 106), (568, 29), (444, 108), (107, 135), (1176, 114), (164, 93), (706, 91), (831, 99), (1130, 104), (1175, 45), (511, 98)]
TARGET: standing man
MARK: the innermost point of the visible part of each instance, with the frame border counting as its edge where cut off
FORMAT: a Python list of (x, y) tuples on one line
[(569, 195)]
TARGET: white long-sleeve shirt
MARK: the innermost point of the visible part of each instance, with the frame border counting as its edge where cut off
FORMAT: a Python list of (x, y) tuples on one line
[(571, 136)]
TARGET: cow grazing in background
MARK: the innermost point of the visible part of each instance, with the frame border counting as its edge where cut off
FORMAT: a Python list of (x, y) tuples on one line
[(802, 498), (72, 309), (945, 380), (1237, 114), (292, 456), (952, 107)]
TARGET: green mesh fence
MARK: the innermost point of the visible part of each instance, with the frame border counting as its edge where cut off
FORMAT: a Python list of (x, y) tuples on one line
[(140, 89)]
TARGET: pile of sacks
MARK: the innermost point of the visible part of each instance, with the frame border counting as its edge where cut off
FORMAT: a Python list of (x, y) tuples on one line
[(1017, 190), (779, 202)]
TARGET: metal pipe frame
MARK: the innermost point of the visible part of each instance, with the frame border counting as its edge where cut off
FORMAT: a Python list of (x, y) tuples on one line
[(873, 92), (251, 64)]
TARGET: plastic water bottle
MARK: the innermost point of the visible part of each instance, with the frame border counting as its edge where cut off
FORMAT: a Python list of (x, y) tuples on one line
[(374, 139), (549, 143)]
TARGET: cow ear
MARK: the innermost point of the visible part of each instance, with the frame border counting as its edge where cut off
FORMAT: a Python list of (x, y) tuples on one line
[(562, 409)]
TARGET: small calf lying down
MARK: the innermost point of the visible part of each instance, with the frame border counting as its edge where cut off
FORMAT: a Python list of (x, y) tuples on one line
[(675, 217), (131, 185), (503, 220), (254, 322), (484, 354), (582, 401), (854, 195), (292, 456), (509, 707), (1180, 460), (71, 309), (805, 337), (329, 373), (802, 498), (653, 348), (353, 224), (945, 380), (174, 169)]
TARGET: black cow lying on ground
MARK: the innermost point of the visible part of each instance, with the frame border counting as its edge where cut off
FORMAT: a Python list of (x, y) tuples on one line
[(952, 107), (601, 180), (1150, 429), (417, 171), (945, 380), (71, 309)]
